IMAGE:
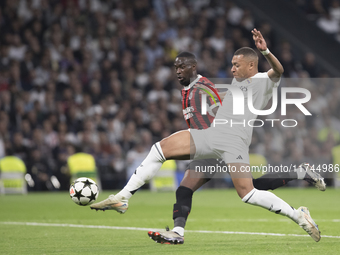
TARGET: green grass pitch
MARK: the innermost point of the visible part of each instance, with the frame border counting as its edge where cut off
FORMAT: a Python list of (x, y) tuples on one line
[(63, 227)]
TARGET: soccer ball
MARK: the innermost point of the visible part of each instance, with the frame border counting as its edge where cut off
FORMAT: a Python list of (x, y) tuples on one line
[(84, 191)]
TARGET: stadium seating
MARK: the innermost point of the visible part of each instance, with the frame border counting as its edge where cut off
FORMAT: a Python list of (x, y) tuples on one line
[(165, 179), (83, 165), (12, 175)]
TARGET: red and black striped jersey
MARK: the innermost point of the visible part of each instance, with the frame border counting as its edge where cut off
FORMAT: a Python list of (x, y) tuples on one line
[(191, 104)]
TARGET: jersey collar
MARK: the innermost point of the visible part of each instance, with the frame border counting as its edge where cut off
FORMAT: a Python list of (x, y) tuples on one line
[(248, 80), (193, 82)]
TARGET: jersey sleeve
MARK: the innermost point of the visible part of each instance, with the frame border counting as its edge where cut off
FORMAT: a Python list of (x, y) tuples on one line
[(267, 88), (211, 104), (270, 84)]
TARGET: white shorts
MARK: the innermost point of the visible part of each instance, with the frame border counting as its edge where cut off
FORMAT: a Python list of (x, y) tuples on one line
[(232, 149)]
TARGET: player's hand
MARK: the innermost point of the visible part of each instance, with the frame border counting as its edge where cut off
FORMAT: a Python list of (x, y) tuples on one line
[(260, 43)]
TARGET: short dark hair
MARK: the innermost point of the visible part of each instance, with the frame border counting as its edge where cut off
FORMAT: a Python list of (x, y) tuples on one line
[(246, 51), (187, 55)]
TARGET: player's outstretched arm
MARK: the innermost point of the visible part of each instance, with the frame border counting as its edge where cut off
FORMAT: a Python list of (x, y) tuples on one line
[(276, 68)]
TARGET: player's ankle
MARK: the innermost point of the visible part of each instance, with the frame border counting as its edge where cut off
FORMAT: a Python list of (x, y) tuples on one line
[(300, 172), (179, 230), (123, 195)]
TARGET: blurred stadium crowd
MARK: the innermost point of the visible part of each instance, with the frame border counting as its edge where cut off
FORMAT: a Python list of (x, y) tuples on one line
[(326, 14), (97, 76)]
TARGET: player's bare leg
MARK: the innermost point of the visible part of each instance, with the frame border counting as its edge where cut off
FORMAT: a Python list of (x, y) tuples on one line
[(193, 180), (245, 189), (177, 146)]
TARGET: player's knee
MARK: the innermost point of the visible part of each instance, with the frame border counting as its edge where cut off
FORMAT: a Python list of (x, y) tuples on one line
[(177, 146), (162, 143), (165, 146)]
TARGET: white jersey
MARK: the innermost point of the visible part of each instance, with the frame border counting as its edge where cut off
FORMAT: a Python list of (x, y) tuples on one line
[(261, 87)]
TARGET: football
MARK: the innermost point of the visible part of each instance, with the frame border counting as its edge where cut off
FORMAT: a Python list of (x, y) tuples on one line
[(84, 191)]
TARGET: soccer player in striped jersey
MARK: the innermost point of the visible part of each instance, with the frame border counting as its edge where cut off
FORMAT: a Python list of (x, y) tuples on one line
[(191, 104)]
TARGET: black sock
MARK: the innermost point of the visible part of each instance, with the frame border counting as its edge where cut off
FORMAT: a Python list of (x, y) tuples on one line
[(182, 207), (274, 180)]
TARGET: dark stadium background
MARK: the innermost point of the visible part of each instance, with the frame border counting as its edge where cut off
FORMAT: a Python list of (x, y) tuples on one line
[(97, 77)]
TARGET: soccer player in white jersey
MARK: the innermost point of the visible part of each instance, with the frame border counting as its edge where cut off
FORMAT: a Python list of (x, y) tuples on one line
[(229, 142)]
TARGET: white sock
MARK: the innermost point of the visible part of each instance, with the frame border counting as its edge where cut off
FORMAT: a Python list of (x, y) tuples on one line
[(271, 202), (145, 172), (301, 173), (179, 230), (125, 193)]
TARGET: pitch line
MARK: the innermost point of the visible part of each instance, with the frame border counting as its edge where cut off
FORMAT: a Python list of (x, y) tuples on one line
[(153, 229), (266, 220)]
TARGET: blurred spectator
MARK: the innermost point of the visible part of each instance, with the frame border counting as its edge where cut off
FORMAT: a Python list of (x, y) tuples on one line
[(40, 171), (157, 92), (17, 49), (50, 136), (134, 157), (326, 14), (309, 64), (328, 24), (153, 51), (315, 8), (183, 40), (334, 10)]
